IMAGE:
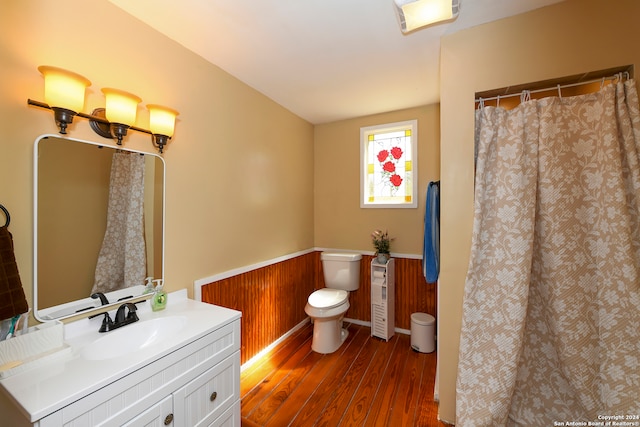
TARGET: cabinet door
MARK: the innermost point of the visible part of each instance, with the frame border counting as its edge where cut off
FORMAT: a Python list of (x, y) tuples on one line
[(204, 399), (231, 418), (160, 414)]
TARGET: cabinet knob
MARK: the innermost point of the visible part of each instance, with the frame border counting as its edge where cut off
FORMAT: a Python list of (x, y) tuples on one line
[(213, 396), (168, 419)]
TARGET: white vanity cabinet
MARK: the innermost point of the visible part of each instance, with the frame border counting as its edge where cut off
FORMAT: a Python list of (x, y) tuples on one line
[(193, 383), (157, 415), (209, 400), (189, 387)]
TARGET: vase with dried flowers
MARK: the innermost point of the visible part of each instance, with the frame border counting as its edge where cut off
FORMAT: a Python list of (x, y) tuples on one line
[(382, 243)]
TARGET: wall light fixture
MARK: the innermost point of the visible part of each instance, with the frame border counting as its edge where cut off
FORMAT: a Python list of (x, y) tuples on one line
[(65, 92), (415, 14), (162, 121), (120, 109)]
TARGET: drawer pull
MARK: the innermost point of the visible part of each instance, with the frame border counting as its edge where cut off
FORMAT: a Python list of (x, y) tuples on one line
[(168, 419), (213, 396)]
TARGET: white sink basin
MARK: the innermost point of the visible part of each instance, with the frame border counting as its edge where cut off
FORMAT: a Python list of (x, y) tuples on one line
[(134, 337)]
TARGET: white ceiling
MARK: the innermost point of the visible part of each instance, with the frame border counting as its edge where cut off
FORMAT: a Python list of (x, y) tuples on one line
[(324, 60)]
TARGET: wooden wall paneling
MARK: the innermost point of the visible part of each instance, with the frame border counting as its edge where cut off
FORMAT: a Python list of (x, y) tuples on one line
[(413, 293), (272, 298)]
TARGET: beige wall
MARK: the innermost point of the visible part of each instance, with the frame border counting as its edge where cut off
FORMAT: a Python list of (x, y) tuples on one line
[(73, 193), (339, 220), (240, 167), (568, 38)]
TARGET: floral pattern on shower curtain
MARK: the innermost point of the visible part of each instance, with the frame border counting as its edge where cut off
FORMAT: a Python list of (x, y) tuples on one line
[(551, 312), (122, 260)]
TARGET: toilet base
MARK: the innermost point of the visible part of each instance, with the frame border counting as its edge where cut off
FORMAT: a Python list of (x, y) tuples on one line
[(328, 335)]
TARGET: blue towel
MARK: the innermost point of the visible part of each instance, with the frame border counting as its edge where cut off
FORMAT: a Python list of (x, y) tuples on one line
[(431, 249)]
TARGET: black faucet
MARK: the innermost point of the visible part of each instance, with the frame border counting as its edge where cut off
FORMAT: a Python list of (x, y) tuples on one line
[(107, 320), (107, 323), (120, 319), (103, 299), (131, 317)]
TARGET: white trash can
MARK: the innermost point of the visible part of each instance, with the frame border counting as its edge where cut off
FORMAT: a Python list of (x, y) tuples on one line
[(422, 332)]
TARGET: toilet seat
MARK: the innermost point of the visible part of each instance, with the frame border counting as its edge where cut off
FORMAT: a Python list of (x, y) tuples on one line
[(326, 298)]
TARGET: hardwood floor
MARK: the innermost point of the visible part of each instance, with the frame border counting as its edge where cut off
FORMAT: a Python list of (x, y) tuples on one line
[(367, 382)]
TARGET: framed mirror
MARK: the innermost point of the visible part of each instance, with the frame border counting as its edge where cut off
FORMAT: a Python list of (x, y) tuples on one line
[(98, 224)]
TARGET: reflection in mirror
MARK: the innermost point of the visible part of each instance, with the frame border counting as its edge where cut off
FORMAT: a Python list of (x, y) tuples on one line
[(81, 244)]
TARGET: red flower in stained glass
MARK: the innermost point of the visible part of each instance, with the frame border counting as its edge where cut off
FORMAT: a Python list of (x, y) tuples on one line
[(389, 167), (396, 180), (382, 155), (396, 152)]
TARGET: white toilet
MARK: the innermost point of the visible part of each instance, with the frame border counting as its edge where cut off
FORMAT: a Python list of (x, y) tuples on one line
[(327, 306)]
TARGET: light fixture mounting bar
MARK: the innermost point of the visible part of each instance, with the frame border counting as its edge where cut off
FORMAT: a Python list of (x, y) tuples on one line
[(90, 117)]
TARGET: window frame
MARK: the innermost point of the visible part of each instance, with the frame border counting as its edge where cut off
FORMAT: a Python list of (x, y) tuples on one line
[(411, 125)]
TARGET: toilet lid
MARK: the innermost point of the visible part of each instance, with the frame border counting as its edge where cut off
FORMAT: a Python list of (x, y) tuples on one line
[(328, 298)]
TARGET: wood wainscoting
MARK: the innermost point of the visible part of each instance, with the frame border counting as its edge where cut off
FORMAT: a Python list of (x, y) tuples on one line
[(272, 298)]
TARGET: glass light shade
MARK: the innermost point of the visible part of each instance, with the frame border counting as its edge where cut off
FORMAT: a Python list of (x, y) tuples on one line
[(419, 13), (162, 120), (63, 89), (120, 106)]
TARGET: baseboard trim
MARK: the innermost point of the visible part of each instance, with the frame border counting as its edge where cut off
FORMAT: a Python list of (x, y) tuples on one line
[(357, 322), (368, 324), (264, 351)]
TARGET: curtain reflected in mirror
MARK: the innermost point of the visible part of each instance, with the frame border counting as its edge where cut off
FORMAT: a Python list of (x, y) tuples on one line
[(122, 260), (73, 220)]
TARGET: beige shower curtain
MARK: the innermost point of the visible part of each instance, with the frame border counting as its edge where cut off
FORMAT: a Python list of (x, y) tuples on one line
[(551, 314), (122, 260)]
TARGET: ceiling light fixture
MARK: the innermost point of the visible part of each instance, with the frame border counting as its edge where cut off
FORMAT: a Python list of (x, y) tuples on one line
[(65, 92), (415, 14)]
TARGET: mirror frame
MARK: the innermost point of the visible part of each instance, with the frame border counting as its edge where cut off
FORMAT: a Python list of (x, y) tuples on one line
[(87, 306)]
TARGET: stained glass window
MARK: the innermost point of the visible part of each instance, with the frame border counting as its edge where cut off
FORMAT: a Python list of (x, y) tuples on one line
[(388, 155)]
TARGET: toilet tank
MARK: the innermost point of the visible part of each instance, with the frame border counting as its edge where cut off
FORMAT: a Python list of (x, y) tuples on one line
[(341, 270)]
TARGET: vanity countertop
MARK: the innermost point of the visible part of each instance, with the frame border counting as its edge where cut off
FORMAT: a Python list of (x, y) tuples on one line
[(49, 387)]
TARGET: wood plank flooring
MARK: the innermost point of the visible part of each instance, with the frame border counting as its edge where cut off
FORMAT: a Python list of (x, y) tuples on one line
[(367, 382)]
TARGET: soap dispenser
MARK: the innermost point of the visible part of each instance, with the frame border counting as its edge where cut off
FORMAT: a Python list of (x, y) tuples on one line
[(148, 289), (159, 299)]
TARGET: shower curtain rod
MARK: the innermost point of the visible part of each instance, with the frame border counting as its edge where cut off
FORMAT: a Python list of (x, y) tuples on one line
[(622, 76)]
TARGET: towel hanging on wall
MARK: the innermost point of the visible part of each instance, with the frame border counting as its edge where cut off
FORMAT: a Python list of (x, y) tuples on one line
[(12, 298), (431, 249)]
